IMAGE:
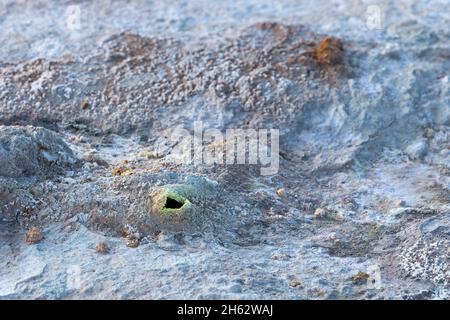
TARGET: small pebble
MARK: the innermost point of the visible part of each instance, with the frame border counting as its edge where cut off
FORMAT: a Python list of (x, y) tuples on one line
[(294, 283), (320, 212), (34, 235), (132, 242), (360, 278), (102, 247), (417, 151), (84, 104), (281, 192)]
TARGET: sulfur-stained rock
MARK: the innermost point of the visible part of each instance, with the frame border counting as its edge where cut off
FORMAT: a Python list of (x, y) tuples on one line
[(181, 206), (34, 235), (329, 51), (170, 201)]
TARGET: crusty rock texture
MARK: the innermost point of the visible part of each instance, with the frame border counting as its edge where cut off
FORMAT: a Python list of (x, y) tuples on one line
[(359, 208), (30, 151)]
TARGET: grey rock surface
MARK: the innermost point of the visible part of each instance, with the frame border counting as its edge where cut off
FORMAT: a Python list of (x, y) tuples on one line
[(30, 151), (363, 108)]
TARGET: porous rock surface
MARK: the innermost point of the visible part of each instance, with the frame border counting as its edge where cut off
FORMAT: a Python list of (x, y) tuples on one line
[(364, 118)]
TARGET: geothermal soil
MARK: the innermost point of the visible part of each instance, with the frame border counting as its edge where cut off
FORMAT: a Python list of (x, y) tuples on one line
[(359, 208)]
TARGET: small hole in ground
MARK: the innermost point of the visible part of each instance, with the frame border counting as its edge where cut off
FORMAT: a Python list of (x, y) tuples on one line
[(173, 204)]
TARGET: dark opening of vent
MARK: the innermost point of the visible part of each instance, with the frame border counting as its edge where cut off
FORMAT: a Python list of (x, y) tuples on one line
[(173, 204)]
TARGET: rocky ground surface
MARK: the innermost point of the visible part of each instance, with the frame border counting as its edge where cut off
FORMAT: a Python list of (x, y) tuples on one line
[(359, 208)]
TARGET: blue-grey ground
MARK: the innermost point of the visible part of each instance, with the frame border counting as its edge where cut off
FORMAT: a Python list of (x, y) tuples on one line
[(359, 208)]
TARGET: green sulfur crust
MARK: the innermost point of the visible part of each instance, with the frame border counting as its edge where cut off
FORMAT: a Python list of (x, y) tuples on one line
[(173, 195)]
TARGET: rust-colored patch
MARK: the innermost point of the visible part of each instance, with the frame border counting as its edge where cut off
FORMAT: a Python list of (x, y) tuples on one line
[(360, 278), (329, 51), (34, 235), (102, 247), (85, 104), (122, 170)]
